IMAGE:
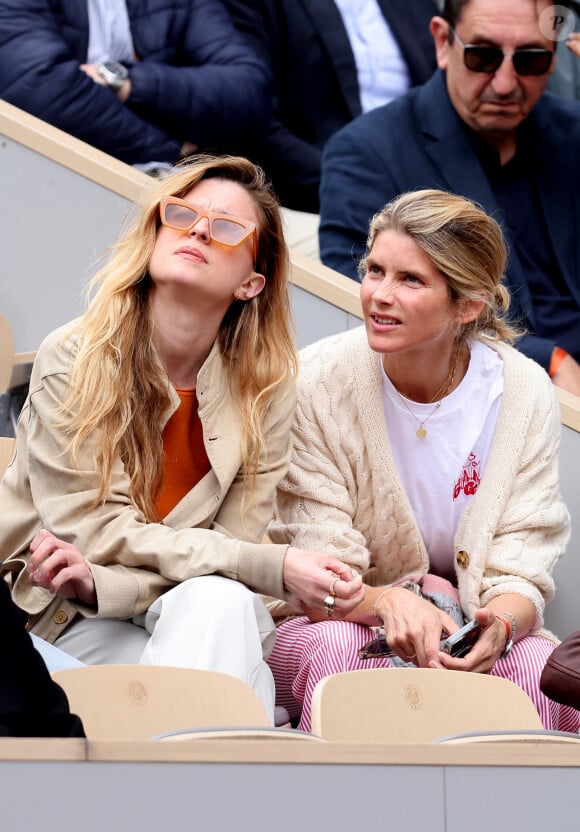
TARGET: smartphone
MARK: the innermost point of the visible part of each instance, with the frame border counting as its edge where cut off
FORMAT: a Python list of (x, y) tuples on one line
[(460, 643)]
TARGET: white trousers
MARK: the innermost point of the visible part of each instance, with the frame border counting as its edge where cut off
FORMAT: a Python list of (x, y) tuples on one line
[(209, 623)]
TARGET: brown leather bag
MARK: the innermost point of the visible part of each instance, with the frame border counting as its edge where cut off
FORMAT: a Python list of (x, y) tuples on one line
[(560, 679)]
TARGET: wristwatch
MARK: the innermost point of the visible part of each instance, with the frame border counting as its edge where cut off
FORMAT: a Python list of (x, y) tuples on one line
[(113, 73)]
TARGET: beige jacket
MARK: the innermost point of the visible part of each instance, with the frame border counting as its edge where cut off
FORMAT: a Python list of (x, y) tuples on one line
[(133, 562), (342, 493)]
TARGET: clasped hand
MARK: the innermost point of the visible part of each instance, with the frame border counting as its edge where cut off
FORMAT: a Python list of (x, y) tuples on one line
[(60, 568), (310, 575)]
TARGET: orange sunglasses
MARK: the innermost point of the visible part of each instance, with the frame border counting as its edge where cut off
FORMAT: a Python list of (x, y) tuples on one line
[(223, 228)]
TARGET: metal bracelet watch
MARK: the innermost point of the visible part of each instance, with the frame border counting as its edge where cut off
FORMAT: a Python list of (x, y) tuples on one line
[(113, 74)]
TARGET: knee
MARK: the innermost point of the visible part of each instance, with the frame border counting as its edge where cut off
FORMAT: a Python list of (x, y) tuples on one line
[(224, 590), (209, 600), (211, 589), (336, 639)]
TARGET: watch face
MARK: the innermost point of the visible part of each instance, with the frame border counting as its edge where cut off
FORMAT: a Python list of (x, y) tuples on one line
[(113, 73)]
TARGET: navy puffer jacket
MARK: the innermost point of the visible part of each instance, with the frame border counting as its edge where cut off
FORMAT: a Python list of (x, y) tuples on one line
[(196, 79)]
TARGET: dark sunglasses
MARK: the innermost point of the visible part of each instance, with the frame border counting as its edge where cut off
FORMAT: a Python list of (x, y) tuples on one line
[(489, 58), (377, 648)]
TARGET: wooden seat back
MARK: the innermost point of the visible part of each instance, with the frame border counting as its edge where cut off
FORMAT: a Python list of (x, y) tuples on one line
[(399, 705), (141, 701)]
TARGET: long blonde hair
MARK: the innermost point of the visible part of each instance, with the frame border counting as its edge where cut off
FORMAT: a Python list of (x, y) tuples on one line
[(118, 385), (464, 243)]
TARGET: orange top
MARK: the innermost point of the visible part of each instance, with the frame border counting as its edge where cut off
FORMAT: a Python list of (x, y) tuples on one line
[(185, 461)]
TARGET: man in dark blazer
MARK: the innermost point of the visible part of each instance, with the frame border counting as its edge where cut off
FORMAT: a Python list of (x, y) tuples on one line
[(316, 88), (495, 137)]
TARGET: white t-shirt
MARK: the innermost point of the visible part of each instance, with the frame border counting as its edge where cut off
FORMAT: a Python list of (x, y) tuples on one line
[(382, 71), (441, 472)]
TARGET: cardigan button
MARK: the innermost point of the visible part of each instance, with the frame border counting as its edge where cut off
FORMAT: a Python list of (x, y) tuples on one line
[(60, 617), (462, 559)]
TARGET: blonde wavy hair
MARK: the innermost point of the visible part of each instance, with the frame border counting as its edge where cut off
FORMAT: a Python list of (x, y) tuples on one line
[(467, 247), (118, 386)]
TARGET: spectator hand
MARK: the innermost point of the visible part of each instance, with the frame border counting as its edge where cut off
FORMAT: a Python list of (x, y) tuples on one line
[(486, 651), (573, 43), (567, 375), (308, 576), (93, 73), (188, 149), (413, 626), (60, 568)]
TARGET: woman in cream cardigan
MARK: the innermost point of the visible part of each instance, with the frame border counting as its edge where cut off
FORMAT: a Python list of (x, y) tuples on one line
[(426, 458)]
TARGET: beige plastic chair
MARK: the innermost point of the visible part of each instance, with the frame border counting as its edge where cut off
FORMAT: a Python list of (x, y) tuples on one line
[(141, 701), (6, 450), (401, 705), (6, 354)]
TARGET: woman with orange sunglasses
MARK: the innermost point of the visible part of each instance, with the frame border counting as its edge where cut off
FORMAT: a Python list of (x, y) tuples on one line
[(155, 432)]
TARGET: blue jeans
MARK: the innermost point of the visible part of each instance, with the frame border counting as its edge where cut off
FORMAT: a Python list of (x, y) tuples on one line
[(54, 658)]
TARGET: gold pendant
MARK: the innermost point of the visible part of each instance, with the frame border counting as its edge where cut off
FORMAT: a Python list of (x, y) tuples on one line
[(421, 433)]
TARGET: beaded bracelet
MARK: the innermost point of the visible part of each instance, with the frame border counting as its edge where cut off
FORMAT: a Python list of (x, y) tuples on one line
[(509, 622)]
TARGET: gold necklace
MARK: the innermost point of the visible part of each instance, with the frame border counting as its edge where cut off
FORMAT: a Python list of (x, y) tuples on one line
[(443, 390), (420, 433)]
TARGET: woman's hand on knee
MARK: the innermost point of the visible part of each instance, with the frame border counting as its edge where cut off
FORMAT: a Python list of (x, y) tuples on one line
[(314, 577), (60, 568)]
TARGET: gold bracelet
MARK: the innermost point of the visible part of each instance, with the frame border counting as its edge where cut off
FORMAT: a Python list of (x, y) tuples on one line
[(374, 610)]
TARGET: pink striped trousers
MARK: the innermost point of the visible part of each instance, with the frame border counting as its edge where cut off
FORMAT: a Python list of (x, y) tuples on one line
[(305, 652)]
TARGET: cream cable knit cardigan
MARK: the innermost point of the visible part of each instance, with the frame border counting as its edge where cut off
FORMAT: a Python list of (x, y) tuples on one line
[(342, 493)]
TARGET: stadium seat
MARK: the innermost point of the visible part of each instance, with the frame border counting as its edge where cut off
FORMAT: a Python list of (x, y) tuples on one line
[(400, 705)]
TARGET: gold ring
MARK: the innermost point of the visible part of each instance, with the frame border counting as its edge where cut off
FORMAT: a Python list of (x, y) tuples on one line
[(331, 588), (329, 605)]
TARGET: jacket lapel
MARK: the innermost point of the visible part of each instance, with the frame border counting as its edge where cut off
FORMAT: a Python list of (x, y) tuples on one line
[(222, 433), (409, 23), (328, 22), (76, 16), (447, 144)]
